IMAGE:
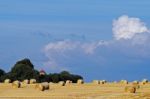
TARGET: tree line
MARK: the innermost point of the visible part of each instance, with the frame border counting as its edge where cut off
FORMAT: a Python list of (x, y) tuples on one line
[(24, 69)]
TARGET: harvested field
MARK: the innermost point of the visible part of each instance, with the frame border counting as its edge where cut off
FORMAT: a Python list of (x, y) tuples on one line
[(74, 91)]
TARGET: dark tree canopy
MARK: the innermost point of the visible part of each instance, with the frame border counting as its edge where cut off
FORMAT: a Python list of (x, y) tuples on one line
[(2, 72), (63, 76), (24, 69), (64, 73), (25, 61), (55, 77)]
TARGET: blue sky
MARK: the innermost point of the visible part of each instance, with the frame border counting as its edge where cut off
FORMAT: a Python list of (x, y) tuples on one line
[(77, 35)]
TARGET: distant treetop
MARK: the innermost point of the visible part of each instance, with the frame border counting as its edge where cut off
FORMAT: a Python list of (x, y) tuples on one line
[(25, 61)]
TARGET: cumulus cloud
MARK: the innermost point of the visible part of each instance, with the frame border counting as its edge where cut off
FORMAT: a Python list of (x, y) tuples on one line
[(68, 45), (127, 27), (129, 48), (60, 53)]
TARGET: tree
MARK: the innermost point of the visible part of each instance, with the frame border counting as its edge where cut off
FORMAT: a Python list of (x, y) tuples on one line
[(55, 78), (44, 78), (26, 61), (23, 69), (36, 75), (64, 73), (75, 78), (2, 73)]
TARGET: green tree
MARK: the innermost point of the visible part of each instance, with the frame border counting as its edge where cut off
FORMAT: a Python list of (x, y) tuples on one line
[(55, 78), (64, 73), (75, 78), (2, 73), (36, 75), (23, 69), (25, 61)]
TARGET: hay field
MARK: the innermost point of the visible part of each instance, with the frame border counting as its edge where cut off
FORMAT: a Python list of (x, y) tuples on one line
[(74, 91)]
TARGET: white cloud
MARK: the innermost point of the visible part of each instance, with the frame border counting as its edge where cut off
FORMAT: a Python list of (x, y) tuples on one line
[(127, 27), (62, 52), (89, 48), (68, 54), (96, 53), (61, 46), (68, 45)]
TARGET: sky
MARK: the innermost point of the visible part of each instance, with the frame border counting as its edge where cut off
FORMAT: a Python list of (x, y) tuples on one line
[(98, 39)]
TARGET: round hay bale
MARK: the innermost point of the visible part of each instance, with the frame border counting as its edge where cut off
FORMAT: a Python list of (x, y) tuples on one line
[(144, 81), (61, 83), (7, 81), (46, 85), (130, 89), (124, 82), (68, 82), (80, 81), (95, 82), (26, 81), (42, 86), (135, 82), (32, 81), (104, 81), (101, 82), (16, 84)]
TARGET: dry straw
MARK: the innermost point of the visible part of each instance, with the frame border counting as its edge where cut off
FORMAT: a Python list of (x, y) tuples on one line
[(144, 81), (124, 82), (95, 82), (7, 81), (16, 84), (51, 83), (26, 81), (136, 84), (80, 81), (101, 82), (130, 89), (61, 83), (42, 86), (104, 81), (32, 81), (68, 82)]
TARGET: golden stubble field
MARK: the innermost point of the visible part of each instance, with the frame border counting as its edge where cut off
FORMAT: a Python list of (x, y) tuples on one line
[(74, 91)]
